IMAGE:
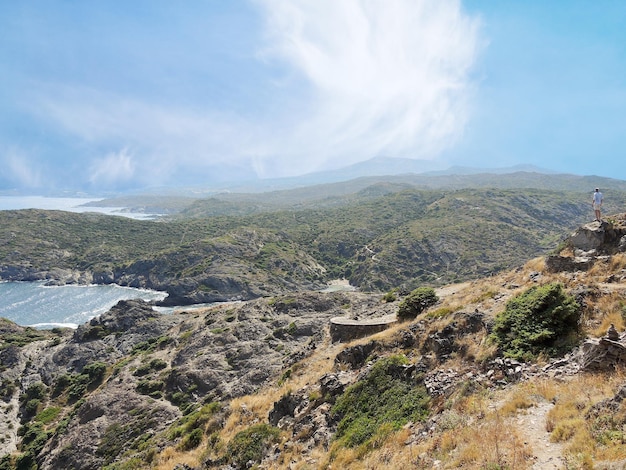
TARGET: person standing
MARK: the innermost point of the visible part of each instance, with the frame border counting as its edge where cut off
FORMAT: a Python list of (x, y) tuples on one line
[(596, 202)]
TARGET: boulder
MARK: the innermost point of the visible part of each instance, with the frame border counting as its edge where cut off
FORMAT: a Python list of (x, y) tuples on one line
[(590, 236), (558, 264), (606, 353)]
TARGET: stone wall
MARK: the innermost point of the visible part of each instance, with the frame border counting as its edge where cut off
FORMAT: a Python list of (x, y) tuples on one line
[(346, 329)]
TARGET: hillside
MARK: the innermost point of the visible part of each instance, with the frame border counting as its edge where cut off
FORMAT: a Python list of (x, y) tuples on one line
[(261, 383), (378, 240), (341, 186)]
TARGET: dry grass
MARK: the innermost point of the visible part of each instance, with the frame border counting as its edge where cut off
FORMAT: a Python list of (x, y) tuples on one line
[(469, 433), (520, 399), (609, 308), (617, 262), (536, 264), (486, 444), (567, 422), (170, 457)]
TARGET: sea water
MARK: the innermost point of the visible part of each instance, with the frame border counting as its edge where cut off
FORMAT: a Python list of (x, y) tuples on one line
[(34, 304), (41, 306), (69, 204)]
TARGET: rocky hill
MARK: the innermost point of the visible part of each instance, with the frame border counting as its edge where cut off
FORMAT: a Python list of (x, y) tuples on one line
[(377, 239), (261, 382)]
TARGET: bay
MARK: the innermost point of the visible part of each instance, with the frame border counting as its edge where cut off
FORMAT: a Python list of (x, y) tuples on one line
[(68, 204), (35, 304)]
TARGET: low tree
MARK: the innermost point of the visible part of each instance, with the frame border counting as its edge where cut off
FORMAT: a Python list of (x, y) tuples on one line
[(416, 302), (542, 320)]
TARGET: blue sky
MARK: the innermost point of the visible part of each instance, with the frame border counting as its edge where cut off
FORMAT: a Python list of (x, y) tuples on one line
[(116, 95)]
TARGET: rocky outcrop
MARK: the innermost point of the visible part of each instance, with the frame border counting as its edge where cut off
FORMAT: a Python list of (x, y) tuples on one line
[(557, 263), (606, 353), (605, 237), (590, 242), (153, 366)]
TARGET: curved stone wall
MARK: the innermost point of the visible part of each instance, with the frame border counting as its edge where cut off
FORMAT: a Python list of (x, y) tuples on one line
[(346, 329)]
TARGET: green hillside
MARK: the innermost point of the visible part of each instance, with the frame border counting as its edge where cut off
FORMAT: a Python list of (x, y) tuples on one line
[(378, 239)]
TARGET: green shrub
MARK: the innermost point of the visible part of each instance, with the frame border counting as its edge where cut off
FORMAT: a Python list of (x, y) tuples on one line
[(153, 365), (34, 391), (385, 397), (79, 384), (7, 389), (95, 371), (61, 383), (31, 407), (48, 415), (34, 438), (543, 319), (251, 445), (416, 302), (192, 440), (146, 387)]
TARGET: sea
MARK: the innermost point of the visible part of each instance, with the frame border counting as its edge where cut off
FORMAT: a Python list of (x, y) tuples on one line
[(35, 304), (40, 306)]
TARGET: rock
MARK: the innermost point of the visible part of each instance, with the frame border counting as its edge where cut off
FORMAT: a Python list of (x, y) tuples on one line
[(590, 236), (286, 406), (603, 237), (557, 264), (356, 356), (602, 354), (612, 333), (330, 385)]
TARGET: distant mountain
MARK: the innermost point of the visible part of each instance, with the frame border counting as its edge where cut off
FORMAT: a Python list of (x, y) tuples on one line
[(466, 170)]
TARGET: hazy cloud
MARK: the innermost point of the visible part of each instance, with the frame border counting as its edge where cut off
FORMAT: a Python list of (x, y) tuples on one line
[(352, 79), (112, 170), (387, 76), (18, 167)]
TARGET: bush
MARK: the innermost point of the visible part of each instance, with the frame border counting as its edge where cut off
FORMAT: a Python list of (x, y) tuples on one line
[(385, 398), (95, 371), (543, 319), (34, 391), (61, 383), (416, 302), (7, 389), (146, 387), (192, 440), (251, 445)]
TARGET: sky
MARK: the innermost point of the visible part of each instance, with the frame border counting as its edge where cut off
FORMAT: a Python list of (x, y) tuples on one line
[(118, 95)]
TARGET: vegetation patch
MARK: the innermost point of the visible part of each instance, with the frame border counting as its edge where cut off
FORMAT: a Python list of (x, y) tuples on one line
[(120, 437), (416, 302), (386, 399), (48, 415), (542, 320), (153, 366), (78, 384), (251, 445)]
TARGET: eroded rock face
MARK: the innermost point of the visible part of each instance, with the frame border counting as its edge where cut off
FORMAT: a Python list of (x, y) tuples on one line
[(604, 237), (604, 353), (558, 264), (154, 365), (590, 236)]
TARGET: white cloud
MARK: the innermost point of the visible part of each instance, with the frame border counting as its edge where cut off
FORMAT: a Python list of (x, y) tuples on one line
[(371, 77), (389, 77)]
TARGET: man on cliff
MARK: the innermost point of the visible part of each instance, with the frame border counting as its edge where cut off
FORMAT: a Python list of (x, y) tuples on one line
[(596, 202)]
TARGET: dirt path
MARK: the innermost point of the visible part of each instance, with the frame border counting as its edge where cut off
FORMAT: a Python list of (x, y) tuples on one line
[(532, 425)]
